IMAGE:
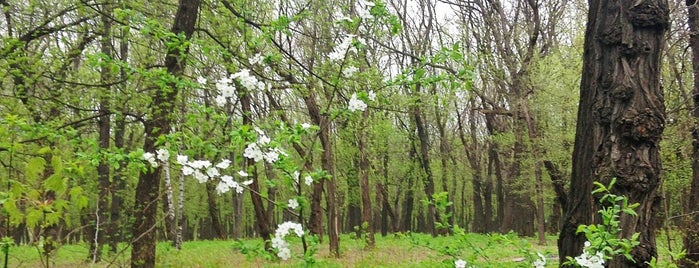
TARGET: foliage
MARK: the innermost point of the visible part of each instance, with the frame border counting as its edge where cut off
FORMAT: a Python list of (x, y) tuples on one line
[(603, 238)]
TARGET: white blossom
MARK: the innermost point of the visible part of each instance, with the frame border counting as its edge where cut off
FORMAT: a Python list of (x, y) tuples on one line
[(242, 173), (349, 71), (588, 260), (200, 164), (222, 188), (182, 159), (163, 154), (257, 59), (150, 158), (187, 170), (271, 156), (296, 175), (356, 104), (200, 177), (220, 100), (212, 172), (248, 81), (308, 180), (364, 9), (293, 203), (223, 164), (540, 263), (460, 263), (201, 80), (305, 126), (343, 48), (371, 95), (253, 151), (247, 182), (263, 139)]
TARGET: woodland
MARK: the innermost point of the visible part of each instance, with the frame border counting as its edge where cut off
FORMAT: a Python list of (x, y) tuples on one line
[(136, 122)]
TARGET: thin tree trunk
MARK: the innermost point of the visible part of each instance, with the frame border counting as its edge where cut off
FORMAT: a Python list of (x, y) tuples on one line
[(621, 117), (104, 124), (691, 237), (364, 183), (177, 242), (169, 206), (147, 189)]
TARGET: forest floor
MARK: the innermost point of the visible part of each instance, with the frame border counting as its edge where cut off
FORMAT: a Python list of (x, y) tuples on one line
[(417, 250)]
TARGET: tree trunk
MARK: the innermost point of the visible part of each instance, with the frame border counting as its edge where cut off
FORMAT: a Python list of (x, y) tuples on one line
[(157, 125), (495, 170), (561, 198), (104, 125), (691, 237), (424, 160), (621, 117), (364, 183), (211, 197)]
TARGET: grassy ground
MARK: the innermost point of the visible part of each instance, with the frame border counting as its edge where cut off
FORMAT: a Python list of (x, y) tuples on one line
[(391, 251)]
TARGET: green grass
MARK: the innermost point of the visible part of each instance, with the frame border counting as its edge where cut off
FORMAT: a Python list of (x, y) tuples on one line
[(419, 250)]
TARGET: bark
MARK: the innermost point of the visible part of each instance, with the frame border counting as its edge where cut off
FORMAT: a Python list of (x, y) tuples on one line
[(177, 242), (495, 170), (118, 185), (424, 160), (480, 222), (168, 204), (691, 237), (558, 181), (214, 210), (261, 218), (364, 183), (621, 118), (157, 125), (104, 125), (315, 224)]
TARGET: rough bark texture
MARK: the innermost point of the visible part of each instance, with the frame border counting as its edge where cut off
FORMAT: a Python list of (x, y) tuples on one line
[(691, 237), (364, 183), (158, 124), (621, 117)]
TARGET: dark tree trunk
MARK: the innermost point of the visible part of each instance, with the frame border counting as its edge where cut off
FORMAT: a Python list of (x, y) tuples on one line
[(104, 125), (406, 217), (495, 170), (213, 210), (691, 237), (621, 117), (354, 208), (364, 183), (480, 221), (424, 160), (327, 158), (147, 189), (118, 186), (558, 181)]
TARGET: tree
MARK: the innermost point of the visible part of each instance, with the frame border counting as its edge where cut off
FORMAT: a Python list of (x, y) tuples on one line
[(621, 118), (156, 126), (691, 237)]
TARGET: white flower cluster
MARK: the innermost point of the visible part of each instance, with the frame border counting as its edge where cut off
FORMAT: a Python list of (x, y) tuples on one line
[(364, 9), (461, 264), (293, 203), (540, 263), (248, 81), (278, 241), (349, 71), (204, 170), (260, 150), (590, 261), (343, 48), (161, 155), (356, 104), (226, 90)]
